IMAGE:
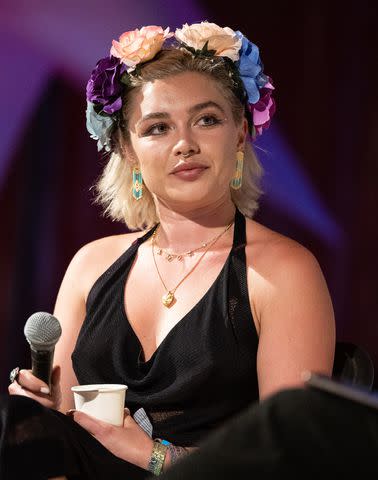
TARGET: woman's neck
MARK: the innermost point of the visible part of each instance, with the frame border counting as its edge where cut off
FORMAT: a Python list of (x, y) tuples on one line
[(182, 230)]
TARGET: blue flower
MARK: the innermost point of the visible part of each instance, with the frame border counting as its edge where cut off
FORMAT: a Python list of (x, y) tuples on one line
[(251, 69), (99, 127)]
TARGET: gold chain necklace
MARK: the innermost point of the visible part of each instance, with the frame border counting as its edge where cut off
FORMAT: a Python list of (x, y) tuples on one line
[(179, 256), (169, 298)]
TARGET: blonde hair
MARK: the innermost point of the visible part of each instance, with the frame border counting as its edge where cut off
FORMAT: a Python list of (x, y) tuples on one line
[(114, 187)]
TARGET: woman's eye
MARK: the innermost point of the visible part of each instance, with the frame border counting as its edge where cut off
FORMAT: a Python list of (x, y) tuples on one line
[(208, 120), (157, 129)]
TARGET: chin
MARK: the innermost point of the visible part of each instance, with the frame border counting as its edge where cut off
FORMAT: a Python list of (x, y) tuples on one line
[(198, 195)]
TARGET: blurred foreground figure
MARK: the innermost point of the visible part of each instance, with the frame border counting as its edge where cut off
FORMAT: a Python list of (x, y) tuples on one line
[(301, 433)]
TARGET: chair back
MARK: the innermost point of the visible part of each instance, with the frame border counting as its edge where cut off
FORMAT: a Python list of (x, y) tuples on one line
[(353, 365)]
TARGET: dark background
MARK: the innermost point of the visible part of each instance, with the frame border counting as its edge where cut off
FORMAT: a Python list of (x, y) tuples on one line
[(324, 63)]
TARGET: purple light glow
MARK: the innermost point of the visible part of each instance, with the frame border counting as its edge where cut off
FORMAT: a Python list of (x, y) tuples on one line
[(39, 37), (289, 190)]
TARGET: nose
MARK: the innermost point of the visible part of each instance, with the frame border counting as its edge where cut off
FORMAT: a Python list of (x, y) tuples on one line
[(186, 146)]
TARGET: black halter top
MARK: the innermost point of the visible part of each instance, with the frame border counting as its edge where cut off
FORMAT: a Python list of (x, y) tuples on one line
[(202, 373)]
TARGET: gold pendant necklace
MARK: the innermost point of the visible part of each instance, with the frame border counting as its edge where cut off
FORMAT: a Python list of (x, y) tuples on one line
[(169, 298)]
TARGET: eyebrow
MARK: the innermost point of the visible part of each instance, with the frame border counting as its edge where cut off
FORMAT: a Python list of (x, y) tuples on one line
[(194, 109)]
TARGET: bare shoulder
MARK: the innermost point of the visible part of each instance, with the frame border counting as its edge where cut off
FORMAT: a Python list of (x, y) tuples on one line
[(275, 255), (282, 272), (109, 247), (94, 258)]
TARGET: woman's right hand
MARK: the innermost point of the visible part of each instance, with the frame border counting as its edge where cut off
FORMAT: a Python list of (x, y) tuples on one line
[(30, 386)]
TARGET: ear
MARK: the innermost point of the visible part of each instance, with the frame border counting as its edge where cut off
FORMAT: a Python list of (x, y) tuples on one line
[(128, 154), (243, 132)]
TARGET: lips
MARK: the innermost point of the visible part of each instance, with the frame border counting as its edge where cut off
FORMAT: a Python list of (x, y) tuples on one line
[(187, 167)]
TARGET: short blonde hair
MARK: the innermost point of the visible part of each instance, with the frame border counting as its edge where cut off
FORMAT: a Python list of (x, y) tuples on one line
[(114, 187)]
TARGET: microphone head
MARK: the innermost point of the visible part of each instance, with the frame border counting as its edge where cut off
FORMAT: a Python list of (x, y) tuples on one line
[(42, 330)]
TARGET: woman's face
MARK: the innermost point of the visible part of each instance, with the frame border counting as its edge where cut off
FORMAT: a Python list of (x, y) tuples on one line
[(185, 139)]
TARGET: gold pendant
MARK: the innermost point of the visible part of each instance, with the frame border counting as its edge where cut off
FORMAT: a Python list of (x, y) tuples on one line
[(167, 299)]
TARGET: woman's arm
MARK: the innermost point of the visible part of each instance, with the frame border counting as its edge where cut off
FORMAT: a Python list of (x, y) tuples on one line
[(294, 315), (128, 442), (70, 311), (89, 263)]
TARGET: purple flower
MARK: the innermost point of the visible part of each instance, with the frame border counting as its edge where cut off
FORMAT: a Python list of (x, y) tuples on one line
[(105, 87)]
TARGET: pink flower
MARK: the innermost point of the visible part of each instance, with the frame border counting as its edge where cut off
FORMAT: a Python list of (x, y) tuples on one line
[(138, 46), (264, 109), (224, 41)]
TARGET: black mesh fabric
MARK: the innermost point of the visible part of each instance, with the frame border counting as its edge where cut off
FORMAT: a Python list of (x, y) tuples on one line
[(202, 373)]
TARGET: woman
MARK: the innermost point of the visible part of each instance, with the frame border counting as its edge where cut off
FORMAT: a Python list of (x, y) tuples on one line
[(201, 310)]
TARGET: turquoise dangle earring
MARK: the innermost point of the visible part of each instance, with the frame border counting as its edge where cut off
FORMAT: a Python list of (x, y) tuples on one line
[(137, 188), (237, 179)]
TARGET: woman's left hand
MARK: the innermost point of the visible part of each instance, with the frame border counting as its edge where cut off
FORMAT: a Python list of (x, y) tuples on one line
[(129, 442)]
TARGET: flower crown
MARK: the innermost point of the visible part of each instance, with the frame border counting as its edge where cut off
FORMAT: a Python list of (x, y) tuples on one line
[(111, 75)]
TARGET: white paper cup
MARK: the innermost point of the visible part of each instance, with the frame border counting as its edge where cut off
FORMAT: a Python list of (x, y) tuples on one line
[(103, 401)]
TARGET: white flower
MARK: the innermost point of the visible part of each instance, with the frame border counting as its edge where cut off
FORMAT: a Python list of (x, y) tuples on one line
[(224, 41)]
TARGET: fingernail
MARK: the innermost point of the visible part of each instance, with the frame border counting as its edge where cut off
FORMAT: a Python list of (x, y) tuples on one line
[(45, 390)]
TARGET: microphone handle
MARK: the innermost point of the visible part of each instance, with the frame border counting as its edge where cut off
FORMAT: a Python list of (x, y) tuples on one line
[(42, 361)]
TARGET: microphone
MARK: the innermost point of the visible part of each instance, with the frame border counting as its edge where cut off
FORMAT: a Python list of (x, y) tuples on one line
[(42, 330)]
